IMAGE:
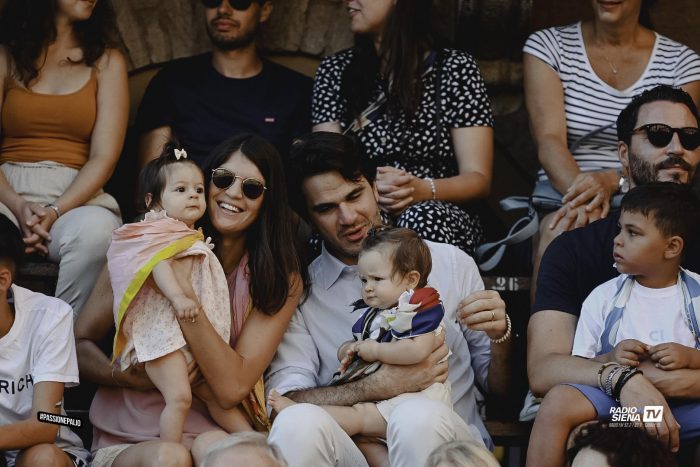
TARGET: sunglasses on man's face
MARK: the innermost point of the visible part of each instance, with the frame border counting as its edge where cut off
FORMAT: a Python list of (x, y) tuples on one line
[(252, 188), (240, 5), (660, 135)]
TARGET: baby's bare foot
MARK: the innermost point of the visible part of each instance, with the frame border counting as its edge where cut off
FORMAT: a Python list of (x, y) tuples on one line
[(279, 402)]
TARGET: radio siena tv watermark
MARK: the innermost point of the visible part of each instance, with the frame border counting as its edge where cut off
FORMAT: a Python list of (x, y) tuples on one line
[(59, 419), (632, 416)]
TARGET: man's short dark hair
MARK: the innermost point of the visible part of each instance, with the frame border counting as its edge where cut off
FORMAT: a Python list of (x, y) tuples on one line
[(673, 207), (627, 120), (11, 244), (322, 152), (622, 446)]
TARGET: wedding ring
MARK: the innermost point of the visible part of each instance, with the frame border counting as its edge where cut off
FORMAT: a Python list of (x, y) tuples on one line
[(193, 320), (493, 316)]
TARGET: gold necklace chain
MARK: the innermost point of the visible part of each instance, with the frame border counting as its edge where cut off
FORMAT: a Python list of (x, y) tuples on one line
[(612, 67)]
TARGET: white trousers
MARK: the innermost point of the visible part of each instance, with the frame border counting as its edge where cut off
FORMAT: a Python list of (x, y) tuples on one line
[(308, 436), (80, 237)]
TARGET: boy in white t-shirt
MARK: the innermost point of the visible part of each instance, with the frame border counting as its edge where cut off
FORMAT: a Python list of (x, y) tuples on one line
[(37, 359), (650, 312)]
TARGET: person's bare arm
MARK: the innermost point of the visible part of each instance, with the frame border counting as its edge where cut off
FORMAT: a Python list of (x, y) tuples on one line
[(30, 432), (550, 337), (398, 352), (485, 310), (94, 323), (107, 135), (177, 287), (674, 384), (151, 144), (385, 383), (544, 98), (232, 373), (473, 148)]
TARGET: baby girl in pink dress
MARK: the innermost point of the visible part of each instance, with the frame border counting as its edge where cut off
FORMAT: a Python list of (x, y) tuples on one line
[(162, 272)]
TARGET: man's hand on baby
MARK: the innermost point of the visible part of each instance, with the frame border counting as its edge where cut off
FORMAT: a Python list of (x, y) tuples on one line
[(630, 352), (348, 358), (186, 308), (672, 356)]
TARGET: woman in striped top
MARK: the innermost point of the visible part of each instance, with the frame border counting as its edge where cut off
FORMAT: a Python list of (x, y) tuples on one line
[(577, 80)]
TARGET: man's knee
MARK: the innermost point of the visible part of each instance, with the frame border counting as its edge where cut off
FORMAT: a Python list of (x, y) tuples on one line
[(301, 422), (564, 401), (91, 232), (48, 455), (423, 413)]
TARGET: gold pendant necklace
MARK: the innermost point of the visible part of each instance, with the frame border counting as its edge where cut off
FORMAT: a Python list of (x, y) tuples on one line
[(612, 67)]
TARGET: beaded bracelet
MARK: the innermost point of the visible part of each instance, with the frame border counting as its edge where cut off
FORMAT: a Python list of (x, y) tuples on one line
[(505, 336), (624, 377), (609, 381), (600, 374)]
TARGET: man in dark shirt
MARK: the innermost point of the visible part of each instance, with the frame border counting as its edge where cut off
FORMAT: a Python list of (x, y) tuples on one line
[(651, 147), (202, 100)]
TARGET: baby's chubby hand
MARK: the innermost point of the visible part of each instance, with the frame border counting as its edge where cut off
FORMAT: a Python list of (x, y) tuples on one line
[(186, 308), (368, 350), (630, 352)]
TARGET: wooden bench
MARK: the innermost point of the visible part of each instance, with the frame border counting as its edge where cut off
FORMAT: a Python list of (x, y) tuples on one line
[(38, 276)]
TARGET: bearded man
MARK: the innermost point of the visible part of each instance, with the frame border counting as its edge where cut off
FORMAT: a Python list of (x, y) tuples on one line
[(659, 140), (202, 100)]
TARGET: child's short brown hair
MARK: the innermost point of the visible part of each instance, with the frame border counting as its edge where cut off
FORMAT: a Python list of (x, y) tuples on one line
[(409, 252)]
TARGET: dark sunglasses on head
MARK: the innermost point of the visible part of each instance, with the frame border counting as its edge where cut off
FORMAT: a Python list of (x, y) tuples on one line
[(223, 178), (660, 135), (240, 5)]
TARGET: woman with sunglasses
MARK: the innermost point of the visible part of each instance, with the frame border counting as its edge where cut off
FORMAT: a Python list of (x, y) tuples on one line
[(422, 114), (252, 230), (577, 80), (64, 114)]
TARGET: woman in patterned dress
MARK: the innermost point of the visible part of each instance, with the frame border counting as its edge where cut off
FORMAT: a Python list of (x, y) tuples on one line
[(431, 158)]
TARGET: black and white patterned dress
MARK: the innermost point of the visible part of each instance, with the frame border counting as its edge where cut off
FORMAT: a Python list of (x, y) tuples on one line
[(410, 143)]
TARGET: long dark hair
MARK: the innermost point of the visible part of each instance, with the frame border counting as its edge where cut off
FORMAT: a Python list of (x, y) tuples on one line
[(27, 28), (274, 248), (406, 38)]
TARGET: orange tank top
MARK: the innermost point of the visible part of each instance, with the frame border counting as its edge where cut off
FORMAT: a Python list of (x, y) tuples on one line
[(47, 127)]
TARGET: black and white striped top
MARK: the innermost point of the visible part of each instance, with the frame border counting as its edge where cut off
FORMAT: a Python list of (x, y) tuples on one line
[(589, 102)]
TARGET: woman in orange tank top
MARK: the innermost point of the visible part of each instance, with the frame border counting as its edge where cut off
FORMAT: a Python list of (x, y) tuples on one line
[(64, 110)]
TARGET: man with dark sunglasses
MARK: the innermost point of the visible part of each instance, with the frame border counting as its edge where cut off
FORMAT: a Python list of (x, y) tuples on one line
[(204, 99), (659, 140)]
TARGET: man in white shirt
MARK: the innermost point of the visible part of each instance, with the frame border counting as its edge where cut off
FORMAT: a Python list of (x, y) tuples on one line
[(339, 198)]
